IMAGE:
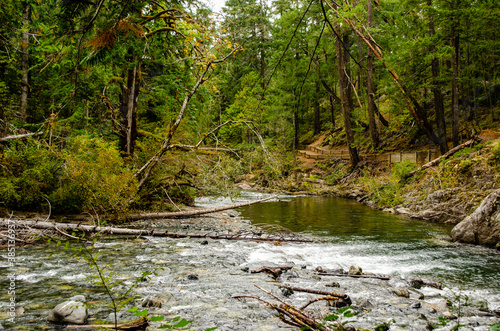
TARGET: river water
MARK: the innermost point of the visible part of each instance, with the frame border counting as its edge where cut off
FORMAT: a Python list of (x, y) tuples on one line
[(351, 234)]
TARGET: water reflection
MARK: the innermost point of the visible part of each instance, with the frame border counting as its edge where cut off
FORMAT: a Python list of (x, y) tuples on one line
[(338, 217), (380, 242)]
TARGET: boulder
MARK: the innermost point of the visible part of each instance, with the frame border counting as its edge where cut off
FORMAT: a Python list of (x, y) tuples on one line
[(482, 227), (73, 311), (151, 301), (355, 270), (401, 292)]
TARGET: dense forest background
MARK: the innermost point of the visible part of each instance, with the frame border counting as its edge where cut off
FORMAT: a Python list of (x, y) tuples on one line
[(111, 105)]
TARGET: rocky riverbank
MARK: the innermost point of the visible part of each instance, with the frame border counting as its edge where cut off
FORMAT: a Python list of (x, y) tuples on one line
[(446, 193)]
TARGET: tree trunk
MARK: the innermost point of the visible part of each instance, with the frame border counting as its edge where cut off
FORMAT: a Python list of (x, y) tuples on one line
[(345, 92), (128, 111), (370, 88), (25, 62), (261, 46), (333, 98), (436, 91), (317, 117), (332, 110), (454, 63)]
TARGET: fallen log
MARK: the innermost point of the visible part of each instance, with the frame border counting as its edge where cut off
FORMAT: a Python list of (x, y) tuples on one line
[(260, 237), (442, 157), (189, 213), (353, 276), (275, 272), (139, 325), (20, 136), (298, 289)]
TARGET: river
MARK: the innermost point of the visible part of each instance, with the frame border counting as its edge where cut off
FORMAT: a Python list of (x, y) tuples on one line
[(352, 234)]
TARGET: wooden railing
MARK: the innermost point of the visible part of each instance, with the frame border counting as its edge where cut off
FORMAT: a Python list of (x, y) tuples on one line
[(419, 158)]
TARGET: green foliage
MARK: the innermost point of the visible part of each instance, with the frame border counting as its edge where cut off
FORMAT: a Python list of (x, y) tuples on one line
[(339, 317), (388, 191), (495, 157), (339, 172), (28, 175), (95, 178), (401, 169), (495, 327)]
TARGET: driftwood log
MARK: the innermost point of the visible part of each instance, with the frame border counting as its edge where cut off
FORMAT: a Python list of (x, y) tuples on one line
[(288, 313), (442, 157), (260, 237), (337, 300), (275, 272), (139, 325), (413, 281), (189, 213)]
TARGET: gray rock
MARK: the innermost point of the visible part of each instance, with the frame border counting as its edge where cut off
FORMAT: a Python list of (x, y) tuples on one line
[(151, 301), (333, 284), (192, 277), (401, 292), (449, 316), (72, 312), (355, 270), (365, 303), (482, 227), (286, 291)]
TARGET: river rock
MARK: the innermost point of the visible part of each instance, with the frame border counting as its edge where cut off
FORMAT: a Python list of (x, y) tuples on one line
[(449, 316), (73, 311), (151, 301), (355, 270), (482, 227), (192, 277), (416, 305), (401, 292)]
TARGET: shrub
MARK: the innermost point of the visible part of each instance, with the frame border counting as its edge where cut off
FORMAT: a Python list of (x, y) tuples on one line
[(95, 178), (495, 157), (28, 174)]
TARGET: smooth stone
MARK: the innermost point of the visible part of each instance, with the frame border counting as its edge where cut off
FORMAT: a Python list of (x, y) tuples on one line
[(73, 312), (355, 270), (401, 292), (151, 301)]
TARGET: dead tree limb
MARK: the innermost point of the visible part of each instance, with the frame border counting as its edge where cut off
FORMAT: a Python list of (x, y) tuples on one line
[(354, 276), (275, 272), (140, 325), (143, 174), (294, 314), (189, 213), (411, 280), (333, 294), (326, 297), (20, 136), (442, 157)]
